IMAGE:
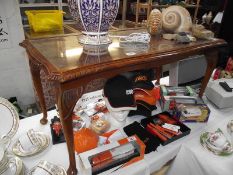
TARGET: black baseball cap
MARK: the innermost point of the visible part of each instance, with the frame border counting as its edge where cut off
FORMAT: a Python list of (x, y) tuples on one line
[(119, 92), (143, 109)]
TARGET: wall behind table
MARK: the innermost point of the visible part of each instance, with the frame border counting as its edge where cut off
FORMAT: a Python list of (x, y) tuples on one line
[(15, 78)]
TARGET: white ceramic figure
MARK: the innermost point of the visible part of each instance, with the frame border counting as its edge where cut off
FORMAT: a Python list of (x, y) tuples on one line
[(176, 19), (209, 17), (116, 118), (154, 23)]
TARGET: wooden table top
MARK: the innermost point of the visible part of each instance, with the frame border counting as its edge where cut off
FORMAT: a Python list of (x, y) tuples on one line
[(64, 55)]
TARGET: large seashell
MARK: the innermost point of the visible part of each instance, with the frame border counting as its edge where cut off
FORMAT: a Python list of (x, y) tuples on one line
[(176, 19), (154, 24)]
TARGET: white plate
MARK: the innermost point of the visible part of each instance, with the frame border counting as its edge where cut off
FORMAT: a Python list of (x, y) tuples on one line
[(9, 119), (44, 143), (48, 168), (14, 167)]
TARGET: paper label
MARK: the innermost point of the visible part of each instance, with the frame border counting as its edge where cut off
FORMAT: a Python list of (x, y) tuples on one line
[(130, 139)]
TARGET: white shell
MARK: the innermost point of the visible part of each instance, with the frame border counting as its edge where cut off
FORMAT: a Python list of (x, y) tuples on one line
[(154, 22), (176, 19)]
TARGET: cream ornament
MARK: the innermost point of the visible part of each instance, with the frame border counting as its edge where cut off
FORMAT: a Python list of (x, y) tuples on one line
[(154, 24), (176, 19), (225, 74)]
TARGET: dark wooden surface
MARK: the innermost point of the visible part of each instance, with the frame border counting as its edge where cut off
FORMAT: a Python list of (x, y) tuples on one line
[(71, 66)]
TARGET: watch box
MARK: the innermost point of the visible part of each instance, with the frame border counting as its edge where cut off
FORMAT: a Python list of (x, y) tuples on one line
[(120, 153), (156, 125)]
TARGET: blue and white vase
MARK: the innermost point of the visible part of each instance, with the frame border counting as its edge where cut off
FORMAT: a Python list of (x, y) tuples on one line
[(96, 17), (73, 8)]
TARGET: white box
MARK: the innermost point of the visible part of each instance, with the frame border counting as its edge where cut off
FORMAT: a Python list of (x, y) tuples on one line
[(133, 141), (217, 95)]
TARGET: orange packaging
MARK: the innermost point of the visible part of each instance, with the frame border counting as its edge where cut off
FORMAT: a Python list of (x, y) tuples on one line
[(85, 139)]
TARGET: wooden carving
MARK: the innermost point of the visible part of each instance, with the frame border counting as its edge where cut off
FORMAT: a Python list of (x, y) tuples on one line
[(154, 24)]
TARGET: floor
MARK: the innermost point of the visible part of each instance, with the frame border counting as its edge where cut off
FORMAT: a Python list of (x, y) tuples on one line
[(162, 171)]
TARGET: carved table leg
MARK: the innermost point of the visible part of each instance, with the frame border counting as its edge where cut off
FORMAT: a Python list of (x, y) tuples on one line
[(35, 71), (211, 58), (66, 102), (158, 74)]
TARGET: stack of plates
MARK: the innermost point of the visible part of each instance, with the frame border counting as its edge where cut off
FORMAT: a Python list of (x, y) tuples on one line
[(216, 142), (14, 166), (9, 123)]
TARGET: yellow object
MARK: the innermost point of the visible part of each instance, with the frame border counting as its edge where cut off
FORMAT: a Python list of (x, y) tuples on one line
[(45, 20)]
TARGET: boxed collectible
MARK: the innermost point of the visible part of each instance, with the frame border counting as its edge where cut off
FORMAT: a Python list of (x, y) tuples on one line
[(169, 102), (56, 131), (165, 127), (192, 112), (123, 152), (170, 94), (177, 91), (189, 109)]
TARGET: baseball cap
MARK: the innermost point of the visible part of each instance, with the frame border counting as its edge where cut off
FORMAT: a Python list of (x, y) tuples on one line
[(142, 79), (119, 93)]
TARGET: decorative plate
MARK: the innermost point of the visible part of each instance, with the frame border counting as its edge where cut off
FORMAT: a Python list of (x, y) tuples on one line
[(208, 139), (9, 119), (44, 143), (48, 168), (14, 167)]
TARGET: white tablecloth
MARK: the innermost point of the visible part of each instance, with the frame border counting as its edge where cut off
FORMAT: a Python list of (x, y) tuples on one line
[(193, 159), (58, 154)]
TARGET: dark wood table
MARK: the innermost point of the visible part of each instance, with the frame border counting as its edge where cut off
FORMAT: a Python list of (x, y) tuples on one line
[(72, 66)]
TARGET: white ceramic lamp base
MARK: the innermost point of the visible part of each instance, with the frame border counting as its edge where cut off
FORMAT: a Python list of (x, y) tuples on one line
[(94, 38)]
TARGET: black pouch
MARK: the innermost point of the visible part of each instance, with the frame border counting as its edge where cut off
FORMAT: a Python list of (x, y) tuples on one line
[(148, 139)]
